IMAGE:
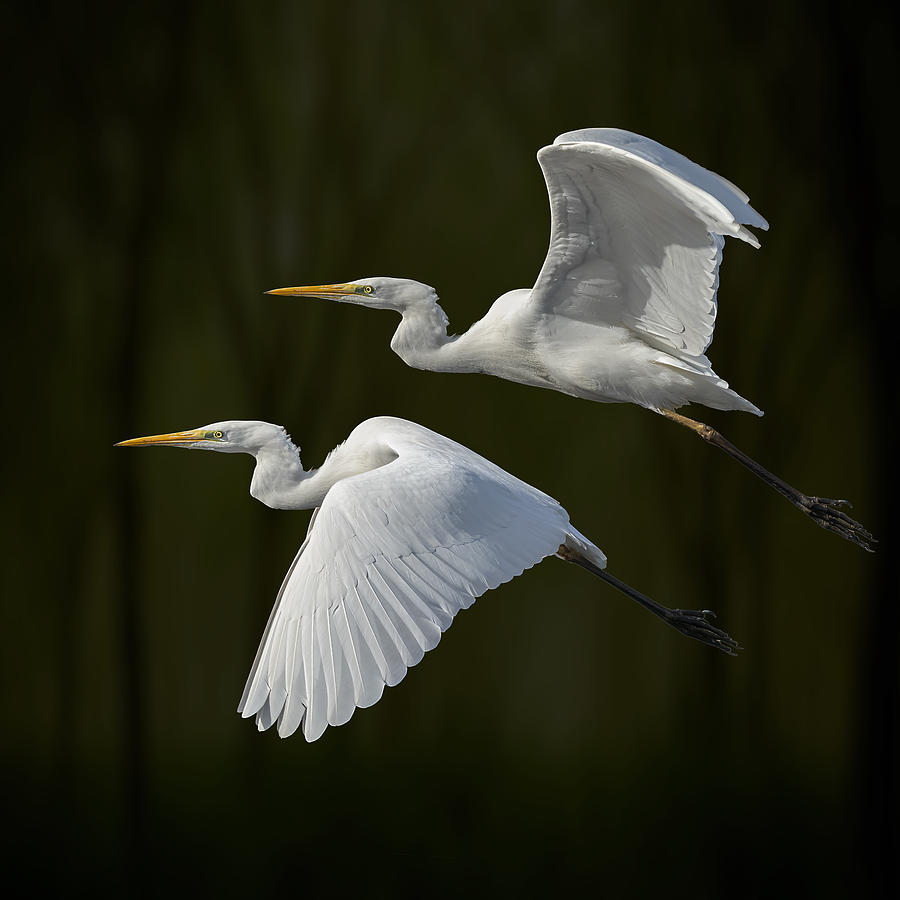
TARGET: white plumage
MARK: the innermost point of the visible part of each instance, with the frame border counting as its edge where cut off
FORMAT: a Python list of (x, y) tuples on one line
[(638, 228), (391, 556), (624, 307), (409, 528)]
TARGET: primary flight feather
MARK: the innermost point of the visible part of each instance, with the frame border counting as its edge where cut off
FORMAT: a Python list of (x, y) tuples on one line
[(624, 306)]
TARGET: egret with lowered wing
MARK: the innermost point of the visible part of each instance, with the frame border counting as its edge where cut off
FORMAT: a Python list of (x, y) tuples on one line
[(409, 528)]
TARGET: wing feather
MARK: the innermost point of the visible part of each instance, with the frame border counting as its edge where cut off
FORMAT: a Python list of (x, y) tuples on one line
[(410, 608), (439, 580), (391, 557), (348, 644), (275, 678), (636, 239), (393, 636), (380, 672), (316, 717), (256, 689), (329, 664)]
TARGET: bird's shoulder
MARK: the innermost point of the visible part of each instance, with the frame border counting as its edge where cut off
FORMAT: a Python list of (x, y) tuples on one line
[(421, 462), (415, 448), (393, 431)]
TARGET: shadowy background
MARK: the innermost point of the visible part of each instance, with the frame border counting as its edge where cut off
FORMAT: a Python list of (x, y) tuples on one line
[(165, 163)]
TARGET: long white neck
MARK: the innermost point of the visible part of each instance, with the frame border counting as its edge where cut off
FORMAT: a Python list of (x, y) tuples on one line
[(496, 344), (421, 339), (280, 481)]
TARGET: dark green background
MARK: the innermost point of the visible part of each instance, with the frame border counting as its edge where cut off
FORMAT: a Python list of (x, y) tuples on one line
[(165, 164)]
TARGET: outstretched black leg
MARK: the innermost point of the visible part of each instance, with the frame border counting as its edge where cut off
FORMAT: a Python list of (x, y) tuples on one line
[(829, 514), (692, 622)]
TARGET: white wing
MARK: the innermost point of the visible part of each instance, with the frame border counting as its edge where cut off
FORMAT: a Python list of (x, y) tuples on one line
[(391, 556), (636, 236)]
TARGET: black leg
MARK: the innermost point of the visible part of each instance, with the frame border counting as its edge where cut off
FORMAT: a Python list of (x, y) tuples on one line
[(829, 514), (692, 622)]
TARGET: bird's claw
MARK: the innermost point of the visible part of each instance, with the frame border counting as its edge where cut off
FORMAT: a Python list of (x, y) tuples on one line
[(830, 515), (694, 623), (834, 504)]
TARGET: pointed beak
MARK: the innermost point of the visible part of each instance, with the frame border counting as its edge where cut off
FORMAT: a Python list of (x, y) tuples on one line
[(324, 291), (175, 439)]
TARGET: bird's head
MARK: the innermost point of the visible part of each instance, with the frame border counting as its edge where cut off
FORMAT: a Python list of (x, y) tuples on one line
[(226, 437), (399, 294)]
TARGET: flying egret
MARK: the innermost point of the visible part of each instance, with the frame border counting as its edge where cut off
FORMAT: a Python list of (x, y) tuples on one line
[(409, 527), (625, 304)]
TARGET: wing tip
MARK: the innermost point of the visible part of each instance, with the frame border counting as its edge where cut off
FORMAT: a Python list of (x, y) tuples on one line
[(640, 147), (748, 236)]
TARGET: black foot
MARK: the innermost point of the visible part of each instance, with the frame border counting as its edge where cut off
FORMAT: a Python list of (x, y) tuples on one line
[(694, 623), (829, 515)]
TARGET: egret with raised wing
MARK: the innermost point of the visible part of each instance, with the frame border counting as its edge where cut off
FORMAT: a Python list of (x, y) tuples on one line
[(409, 528), (624, 307)]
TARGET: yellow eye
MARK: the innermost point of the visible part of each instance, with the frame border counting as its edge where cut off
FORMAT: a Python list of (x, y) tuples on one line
[(218, 435), (368, 288)]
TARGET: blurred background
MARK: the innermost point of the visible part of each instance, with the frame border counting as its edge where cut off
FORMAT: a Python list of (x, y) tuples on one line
[(165, 164)]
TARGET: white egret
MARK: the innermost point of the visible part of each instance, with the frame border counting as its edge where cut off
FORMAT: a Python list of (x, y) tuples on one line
[(624, 307), (409, 527)]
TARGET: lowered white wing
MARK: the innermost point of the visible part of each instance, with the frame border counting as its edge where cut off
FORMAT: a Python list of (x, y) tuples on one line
[(390, 558), (636, 236)]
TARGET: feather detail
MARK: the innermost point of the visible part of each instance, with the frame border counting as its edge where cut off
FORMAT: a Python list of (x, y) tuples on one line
[(391, 557)]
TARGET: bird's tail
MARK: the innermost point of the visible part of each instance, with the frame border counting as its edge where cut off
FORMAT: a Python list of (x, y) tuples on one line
[(575, 540)]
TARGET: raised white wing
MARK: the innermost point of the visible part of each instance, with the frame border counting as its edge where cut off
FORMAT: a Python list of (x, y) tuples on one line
[(636, 236), (390, 558)]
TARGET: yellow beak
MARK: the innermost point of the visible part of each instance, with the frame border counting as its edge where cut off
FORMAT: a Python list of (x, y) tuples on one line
[(324, 291), (176, 438)]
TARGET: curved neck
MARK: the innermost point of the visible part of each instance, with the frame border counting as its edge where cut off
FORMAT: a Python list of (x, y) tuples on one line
[(281, 482), (421, 339)]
